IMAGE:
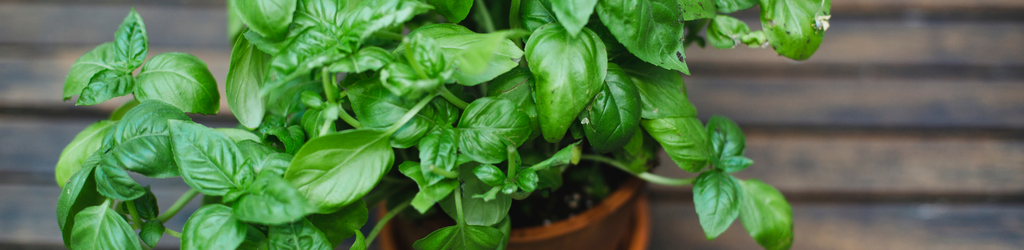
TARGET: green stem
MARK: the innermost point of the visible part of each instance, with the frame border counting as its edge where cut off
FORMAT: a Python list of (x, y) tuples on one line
[(348, 118), (389, 35), (170, 232), (458, 205), (649, 177), (513, 21), (384, 221), (180, 203), (409, 115), (330, 89), (488, 23), (136, 220), (513, 165), (443, 172), (452, 98)]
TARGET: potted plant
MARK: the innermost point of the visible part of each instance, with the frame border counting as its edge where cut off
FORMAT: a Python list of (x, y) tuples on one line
[(444, 107)]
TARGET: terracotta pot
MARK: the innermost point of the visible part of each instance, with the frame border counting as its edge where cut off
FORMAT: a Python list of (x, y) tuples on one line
[(621, 221)]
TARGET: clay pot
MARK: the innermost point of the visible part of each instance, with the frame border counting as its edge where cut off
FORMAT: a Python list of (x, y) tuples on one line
[(620, 221)]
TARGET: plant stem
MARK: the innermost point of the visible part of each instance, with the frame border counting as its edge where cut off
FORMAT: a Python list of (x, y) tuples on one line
[(409, 115), (170, 232), (452, 98), (458, 205), (388, 35), (180, 203), (384, 221), (136, 220), (649, 177), (513, 21), (488, 23), (330, 89), (513, 165), (348, 118), (443, 172)]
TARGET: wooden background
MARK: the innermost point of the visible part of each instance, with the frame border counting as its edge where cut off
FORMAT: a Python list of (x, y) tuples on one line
[(904, 131)]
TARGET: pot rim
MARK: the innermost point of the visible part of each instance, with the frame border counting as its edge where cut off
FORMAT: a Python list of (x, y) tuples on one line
[(614, 202)]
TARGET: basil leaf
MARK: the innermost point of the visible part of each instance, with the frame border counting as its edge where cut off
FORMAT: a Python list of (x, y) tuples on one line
[(151, 232), (210, 162), (419, 68), (651, 29), (637, 153), (696, 9), (80, 148), (716, 197), (213, 227), (131, 42), (725, 32), (489, 174), (527, 180), (438, 149), (99, 227), (477, 211), (254, 239), (795, 27), (568, 73), (517, 86), (375, 107), (245, 78), (271, 200), (429, 194), (269, 18), (299, 235), (181, 80), (367, 58), (730, 6), (460, 237), (261, 158), (726, 137), (487, 125), (82, 71), (536, 13), (140, 142), (332, 175), (732, 164), (766, 215), (114, 182), (292, 137), (341, 225), (684, 139), (573, 15), (78, 194), (662, 93), (320, 122), (239, 135), (453, 10), (477, 57), (612, 118), (146, 205), (106, 85)]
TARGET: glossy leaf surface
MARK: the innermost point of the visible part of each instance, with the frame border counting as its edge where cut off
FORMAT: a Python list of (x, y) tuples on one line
[(684, 139), (568, 73), (716, 197), (610, 120), (100, 228), (81, 147), (332, 174), (795, 28), (181, 80), (766, 215), (79, 193), (487, 125), (269, 18), (212, 227), (271, 200), (210, 161), (245, 78), (495, 53)]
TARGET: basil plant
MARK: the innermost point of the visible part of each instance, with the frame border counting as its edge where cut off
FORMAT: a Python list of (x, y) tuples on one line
[(344, 104)]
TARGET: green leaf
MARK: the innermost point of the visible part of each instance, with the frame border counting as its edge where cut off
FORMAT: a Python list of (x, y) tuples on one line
[(460, 237), (438, 150), (212, 227), (106, 85), (614, 115), (662, 93), (766, 215), (527, 180), (210, 162), (376, 107), (573, 14), (78, 194), (151, 232), (299, 235), (271, 200), (114, 182), (477, 211), (489, 174), (725, 32), (120, 111), (568, 72), (254, 240), (82, 71), (146, 205), (245, 78), (359, 243), (716, 197), (99, 227), (332, 175), (131, 42), (269, 18), (637, 153), (341, 225), (517, 86), (651, 29), (235, 24), (80, 148), (292, 137), (367, 58), (732, 164), (181, 80), (239, 135), (419, 68), (477, 57), (141, 141), (536, 13), (429, 194), (487, 125), (697, 9), (684, 139), (730, 6), (453, 10), (726, 137), (795, 27), (320, 122)]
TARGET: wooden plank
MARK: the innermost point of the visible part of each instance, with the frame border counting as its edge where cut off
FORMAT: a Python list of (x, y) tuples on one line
[(866, 162), (858, 226)]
